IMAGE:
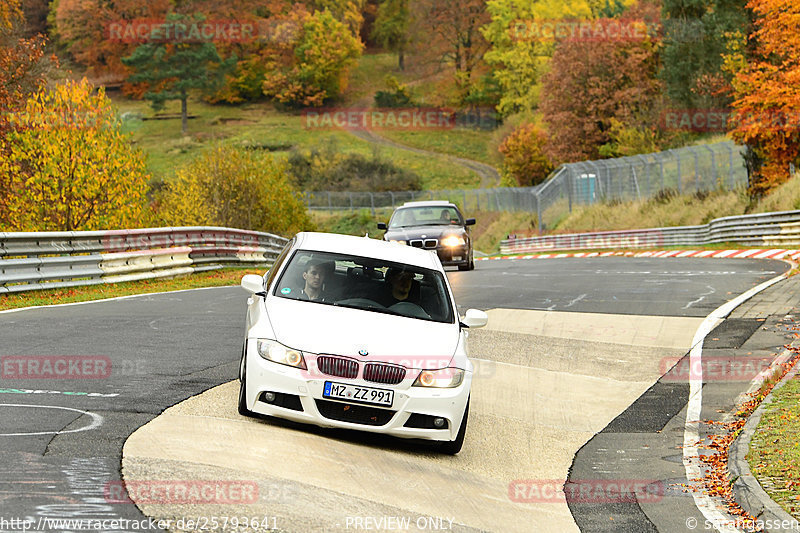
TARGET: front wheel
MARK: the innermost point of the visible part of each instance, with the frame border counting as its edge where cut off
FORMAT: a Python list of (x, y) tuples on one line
[(452, 447), (469, 264)]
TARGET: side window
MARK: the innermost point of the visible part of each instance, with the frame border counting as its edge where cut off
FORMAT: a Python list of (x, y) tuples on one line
[(276, 266)]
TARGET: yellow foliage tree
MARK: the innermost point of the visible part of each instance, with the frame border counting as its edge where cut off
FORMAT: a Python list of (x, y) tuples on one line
[(69, 166), (232, 187)]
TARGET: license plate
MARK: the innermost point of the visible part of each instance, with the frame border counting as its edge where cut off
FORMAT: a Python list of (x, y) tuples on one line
[(355, 394)]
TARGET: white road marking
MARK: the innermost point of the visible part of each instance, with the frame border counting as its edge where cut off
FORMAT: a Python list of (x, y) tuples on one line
[(691, 432), (116, 298), (97, 420)]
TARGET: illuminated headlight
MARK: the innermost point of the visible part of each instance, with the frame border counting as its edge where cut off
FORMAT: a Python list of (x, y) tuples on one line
[(397, 241), (453, 241), (446, 378), (278, 353)]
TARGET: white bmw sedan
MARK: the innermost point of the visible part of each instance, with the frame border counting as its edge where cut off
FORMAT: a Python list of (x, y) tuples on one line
[(356, 333)]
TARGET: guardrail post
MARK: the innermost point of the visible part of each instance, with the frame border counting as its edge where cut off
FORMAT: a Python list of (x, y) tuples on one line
[(372, 203)]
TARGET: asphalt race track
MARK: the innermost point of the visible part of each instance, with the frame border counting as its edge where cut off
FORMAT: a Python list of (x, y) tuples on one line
[(572, 343)]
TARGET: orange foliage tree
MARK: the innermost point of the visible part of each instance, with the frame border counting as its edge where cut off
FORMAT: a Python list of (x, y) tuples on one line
[(525, 161), (767, 94), (22, 69), (83, 28), (314, 65), (70, 165)]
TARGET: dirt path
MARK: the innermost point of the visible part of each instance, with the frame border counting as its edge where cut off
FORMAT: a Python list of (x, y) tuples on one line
[(488, 174)]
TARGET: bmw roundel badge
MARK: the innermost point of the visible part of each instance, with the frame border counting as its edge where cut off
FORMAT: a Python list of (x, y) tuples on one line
[(363, 352)]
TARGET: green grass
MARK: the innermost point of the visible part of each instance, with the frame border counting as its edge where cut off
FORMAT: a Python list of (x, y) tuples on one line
[(679, 210), (774, 455), (370, 75), (259, 124), (460, 142), (218, 278)]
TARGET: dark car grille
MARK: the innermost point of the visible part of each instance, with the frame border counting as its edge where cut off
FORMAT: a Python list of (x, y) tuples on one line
[(338, 366), (427, 243), (388, 374), (355, 414)]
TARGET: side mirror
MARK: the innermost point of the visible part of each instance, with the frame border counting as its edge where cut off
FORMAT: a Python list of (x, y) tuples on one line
[(382, 225), (475, 318), (469, 222), (253, 284)]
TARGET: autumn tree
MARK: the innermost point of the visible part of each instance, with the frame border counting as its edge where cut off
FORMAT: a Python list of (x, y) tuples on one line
[(82, 27), (173, 68), (696, 37), (767, 93), (69, 164), (591, 83), (449, 34), (519, 51), (315, 66), (22, 60), (348, 12), (391, 28), (524, 159), (23, 66), (235, 188)]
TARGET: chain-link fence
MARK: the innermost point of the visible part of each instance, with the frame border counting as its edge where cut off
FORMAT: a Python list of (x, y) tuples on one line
[(683, 170)]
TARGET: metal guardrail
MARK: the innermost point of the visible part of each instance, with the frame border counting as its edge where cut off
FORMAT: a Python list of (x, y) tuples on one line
[(767, 229), (49, 260)]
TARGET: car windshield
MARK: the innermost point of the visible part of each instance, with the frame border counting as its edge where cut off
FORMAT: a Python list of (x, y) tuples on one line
[(365, 283), (425, 216)]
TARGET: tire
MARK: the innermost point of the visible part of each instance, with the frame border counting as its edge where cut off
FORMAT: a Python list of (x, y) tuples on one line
[(470, 263), (452, 447), (242, 408)]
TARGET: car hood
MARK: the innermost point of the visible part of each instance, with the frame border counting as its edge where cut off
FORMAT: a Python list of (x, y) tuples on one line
[(430, 232), (325, 329)]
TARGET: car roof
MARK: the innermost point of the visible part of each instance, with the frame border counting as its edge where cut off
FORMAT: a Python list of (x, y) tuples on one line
[(366, 247), (428, 203)]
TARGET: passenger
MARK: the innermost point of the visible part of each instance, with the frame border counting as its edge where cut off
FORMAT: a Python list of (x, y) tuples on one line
[(400, 287), (315, 274)]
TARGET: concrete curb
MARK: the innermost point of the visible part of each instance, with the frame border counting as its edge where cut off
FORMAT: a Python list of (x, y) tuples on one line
[(747, 490)]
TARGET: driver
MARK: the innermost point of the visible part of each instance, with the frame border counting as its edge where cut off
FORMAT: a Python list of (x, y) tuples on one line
[(314, 275)]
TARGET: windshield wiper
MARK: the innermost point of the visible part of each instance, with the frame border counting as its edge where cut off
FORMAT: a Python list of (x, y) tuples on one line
[(371, 308)]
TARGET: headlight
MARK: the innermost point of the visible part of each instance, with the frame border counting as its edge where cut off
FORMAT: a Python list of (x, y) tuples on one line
[(446, 378), (453, 240), (397, 241), (278, 353)]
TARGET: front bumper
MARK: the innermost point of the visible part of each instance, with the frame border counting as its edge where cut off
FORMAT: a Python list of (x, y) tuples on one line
[(266, 376), (453, 255)]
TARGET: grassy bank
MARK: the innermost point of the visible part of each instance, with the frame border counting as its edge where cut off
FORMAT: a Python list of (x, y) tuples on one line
[(774, 456), (261, 127)]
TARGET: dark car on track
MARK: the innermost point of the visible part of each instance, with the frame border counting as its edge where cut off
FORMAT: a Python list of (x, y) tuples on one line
[(437, 226)]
